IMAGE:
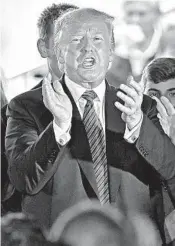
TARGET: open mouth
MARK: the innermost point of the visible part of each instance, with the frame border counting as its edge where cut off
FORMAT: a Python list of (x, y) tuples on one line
[(88, 62)]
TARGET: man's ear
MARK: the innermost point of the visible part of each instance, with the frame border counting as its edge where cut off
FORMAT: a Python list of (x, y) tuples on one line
[(61, 56), (42, 48), (111, 53), (61, 59)]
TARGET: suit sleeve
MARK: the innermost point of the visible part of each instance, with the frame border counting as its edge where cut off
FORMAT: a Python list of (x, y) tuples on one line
[(30, 155), (154, 145)]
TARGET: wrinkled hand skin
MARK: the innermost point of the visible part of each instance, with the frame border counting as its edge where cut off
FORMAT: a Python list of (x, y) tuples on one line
[(166, 116), (172, 129), (132, 98), (57, 102)]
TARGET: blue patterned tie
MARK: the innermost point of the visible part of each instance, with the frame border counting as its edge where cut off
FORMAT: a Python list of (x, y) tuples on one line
[(97, 145)]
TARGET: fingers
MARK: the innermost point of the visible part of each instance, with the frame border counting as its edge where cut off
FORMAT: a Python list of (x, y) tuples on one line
[(123, 108), (164, 125), (161, 109), (137, 87), (133, 89), (48, 93), (128, 100), (48, 87), (168, 106), (129, 91)]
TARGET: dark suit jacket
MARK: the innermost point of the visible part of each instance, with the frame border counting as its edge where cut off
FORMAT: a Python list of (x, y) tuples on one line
[(34, 155), (10, 198)]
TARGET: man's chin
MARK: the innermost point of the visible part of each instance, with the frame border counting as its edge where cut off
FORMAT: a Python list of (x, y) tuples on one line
[(90, 77)]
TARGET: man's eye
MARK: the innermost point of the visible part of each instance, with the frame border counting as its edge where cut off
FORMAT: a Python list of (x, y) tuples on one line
[(153, 94), (76, 40), (98, 39), (171, 94)]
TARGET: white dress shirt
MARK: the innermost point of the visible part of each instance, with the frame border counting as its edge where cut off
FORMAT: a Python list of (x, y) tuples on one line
[(62, 135)]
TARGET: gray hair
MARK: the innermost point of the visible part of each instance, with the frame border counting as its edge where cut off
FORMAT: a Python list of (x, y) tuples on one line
[(67, 18)]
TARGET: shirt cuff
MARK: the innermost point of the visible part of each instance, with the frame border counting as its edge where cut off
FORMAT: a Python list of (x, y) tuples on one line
[(132, 135), (62, 136)]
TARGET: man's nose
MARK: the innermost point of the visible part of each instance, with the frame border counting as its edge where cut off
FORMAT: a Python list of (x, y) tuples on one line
[(88, 45)]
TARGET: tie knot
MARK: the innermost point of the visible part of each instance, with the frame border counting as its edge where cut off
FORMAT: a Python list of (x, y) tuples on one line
[(89, 95)]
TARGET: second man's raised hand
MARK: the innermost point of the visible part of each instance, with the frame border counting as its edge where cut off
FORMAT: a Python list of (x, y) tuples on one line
[(166, 115), (132, 97)]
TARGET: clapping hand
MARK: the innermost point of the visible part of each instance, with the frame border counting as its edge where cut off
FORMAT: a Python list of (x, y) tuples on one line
[(57, 102), (132, 96), (166, 115)]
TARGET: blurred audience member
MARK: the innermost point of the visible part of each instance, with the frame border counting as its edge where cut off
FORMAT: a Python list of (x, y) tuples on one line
[(20, 230), (137, 41), (46, 32), (167, 43), (159, 76), (89, 224), (45, 46)]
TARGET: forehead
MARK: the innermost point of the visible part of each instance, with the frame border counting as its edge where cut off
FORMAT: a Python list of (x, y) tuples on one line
[(82, 26), (163, 86)]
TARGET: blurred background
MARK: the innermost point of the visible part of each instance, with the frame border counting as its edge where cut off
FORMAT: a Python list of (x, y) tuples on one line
[(21, 65)]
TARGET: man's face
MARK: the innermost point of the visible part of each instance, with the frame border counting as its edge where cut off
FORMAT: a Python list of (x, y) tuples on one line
[(140, 13), (166, 89), (87, 50)]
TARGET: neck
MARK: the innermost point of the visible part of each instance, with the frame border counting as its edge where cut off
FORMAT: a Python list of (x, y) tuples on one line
[(91, 85), (86, 84)]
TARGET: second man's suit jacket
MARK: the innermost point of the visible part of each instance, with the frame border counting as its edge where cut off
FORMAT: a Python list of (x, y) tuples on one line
[(35, 157)]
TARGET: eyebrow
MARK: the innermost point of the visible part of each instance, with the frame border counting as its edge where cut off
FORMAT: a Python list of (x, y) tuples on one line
[(151, 89), (171, 89)]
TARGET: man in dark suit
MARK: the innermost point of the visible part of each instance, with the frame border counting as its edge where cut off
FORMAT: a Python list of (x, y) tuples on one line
[(159, 80), (159, 77), (67, 141)]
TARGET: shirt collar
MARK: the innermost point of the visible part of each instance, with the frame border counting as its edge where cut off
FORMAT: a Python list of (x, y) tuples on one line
[(77, 90)]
